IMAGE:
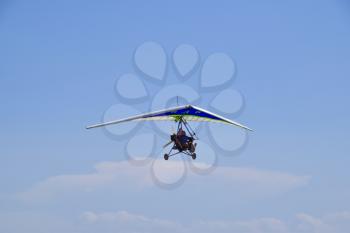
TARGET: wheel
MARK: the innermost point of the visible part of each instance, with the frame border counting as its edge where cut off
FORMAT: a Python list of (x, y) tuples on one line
[(166, 156), (194, 156)]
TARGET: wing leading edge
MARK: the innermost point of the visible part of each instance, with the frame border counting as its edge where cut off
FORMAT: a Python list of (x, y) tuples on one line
[(188, 112)]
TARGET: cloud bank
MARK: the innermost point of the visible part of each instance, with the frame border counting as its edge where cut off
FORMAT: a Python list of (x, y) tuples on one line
[(116, 177), (301, 223), (127, 222)]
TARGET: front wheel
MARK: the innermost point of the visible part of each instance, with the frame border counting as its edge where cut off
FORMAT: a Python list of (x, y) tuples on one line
[(166, 156)]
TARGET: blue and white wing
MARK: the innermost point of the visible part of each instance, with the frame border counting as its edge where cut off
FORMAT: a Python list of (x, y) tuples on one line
[(187, 112)]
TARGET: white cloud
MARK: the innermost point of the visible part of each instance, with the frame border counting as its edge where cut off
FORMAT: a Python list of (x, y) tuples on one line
[(303, 223), (308, 223), (336, 223), (127, 222), (115, 177), (271, 225)]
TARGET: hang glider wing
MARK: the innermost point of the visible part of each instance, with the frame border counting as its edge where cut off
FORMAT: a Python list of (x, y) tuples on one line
[(187, 112)]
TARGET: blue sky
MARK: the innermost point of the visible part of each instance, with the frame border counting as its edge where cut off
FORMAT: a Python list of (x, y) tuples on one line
[(59, 64)]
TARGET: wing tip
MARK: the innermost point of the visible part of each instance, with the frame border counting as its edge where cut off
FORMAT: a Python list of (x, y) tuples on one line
[(242, 126), (92, 126)]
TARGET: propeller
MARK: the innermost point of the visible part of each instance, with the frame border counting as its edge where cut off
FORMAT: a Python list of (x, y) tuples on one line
[(173, 132), (167, 144)]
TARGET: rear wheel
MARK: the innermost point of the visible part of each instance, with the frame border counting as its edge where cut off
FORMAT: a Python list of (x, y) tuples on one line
[(166, 156), (194, 156)]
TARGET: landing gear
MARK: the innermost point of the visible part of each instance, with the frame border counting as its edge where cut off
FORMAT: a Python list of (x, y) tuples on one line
[(166, 156), (180, 142), (194, 156)]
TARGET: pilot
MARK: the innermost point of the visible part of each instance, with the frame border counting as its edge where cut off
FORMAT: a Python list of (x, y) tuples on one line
[(181, 132), (183, 138)]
